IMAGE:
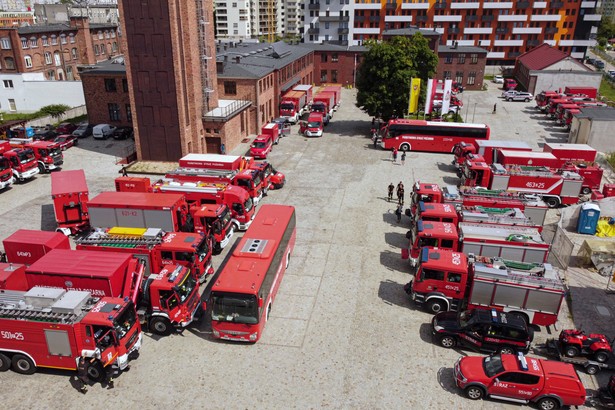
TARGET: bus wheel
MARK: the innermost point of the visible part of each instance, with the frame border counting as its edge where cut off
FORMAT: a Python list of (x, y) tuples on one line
[(404, 147)]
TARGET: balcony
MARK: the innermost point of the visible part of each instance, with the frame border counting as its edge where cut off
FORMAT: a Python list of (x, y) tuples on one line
[(440, 6), (551, 30), (343, 30), (314, 30), (391, 6), (453, 30), (314, 6), (472, 17), (359, 19), (557, 5), (422, 18), (533, 43), (523, 4), (487, 18), (374, 19), (501, 30)]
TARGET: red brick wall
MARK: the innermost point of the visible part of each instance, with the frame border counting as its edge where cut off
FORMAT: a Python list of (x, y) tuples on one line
[(263, 96), (97, 99), (466, 68), (344, 66)]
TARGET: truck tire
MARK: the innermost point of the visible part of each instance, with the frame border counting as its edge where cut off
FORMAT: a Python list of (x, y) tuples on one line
[(592, 369), (571, 351), (448, 342), (601, 356), (548, 403), (552, 202), (41, 168), (22, 364), (474, 392), (5, 362), (160, 325), (404, 147), (96, 371), (436, 306), (507, 350), (586, 190)]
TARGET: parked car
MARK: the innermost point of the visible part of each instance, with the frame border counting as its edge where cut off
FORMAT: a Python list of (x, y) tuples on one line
[(102, 131), (498, 79), (590, 60), (66, 141), (599, 64), (65, 128), (509, 93), (122, 133), (482, 330), (520, 96), (83, 130), (509, 84), (42, 134), (548, 383)]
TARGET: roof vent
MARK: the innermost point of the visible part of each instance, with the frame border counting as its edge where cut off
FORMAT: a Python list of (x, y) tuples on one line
[(254, 246)]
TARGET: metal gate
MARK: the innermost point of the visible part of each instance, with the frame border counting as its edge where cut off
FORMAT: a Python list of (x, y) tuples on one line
[(561, 245)]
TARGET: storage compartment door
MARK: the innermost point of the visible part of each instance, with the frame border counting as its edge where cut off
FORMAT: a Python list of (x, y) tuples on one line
[(57, 343)]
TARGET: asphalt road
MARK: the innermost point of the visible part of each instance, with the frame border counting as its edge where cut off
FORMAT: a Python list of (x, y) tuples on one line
[(342, 332)]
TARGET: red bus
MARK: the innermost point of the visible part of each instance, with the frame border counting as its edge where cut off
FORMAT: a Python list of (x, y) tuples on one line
[(249, 278), (430, 136)]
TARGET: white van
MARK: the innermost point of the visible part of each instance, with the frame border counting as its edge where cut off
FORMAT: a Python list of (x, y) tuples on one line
[(102, 131)]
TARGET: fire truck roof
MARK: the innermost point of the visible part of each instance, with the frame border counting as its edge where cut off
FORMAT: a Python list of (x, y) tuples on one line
[(68, 182), (80, 263), (33, 237), (444, 259), (444, 230), (433, 209), (500, 233), (132, 199)]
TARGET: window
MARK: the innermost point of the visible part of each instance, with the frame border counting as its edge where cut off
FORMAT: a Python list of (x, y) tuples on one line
[(5, 43), (72, 38), (114, 112), (12, 105), (323, 76), (8, 84), (96, 52), (51, 74), (100, 35), (334, 57), (230, 87), (24, 42), (106, 34), (473, 58), (323, 58), (47, 57), (454, 277), (334, 76), (69, 73), (471, 78), (9, 63), (57, 58), (461, 59), (459, 77), (110, 85), (33, 42), (430, 274), (73, 53), (114, 47), (125, 85), (28, 61), (102, 50), (447, 75), (63, 39), (45, 41), (128, 112), (448, 59), (54, 40)]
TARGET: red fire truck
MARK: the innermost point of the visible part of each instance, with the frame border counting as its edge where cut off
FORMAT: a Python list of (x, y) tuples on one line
[(543, 98), (336, 90), (48, 154), (324, 103), (12, 277), (27, 246), (23, 162), (156, 248), (53, 328), (555, 188), (272, 178), (532, 207), (524, 244), (70, 195), (241, 298), (446, 280), (293, 105), (165, 300), (6, 173), (485, 148)]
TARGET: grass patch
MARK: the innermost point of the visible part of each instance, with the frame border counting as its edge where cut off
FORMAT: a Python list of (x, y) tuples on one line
[(610, 158), (607, 91), (16, 116)]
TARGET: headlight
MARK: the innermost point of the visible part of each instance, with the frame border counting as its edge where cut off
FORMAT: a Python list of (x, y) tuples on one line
[(253, 337), (437, 328), (216, 333)]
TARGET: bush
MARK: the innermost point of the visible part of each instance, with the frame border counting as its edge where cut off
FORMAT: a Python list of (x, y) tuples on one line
[(55, 110), (610, 158)]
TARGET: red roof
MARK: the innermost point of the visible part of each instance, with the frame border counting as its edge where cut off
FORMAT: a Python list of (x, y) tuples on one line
[(541, 57)]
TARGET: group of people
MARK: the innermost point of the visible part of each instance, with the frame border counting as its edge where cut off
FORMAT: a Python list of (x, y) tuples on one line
[(403, 156), (400, 198)]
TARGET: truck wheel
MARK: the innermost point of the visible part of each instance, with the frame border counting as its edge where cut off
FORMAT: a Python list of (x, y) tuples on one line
[(474, 393), (552, 202), (22, 364), (41, 168), (436, 306), (5, 362), (160, 325), (586, 190), (448, 342), (548, 403), (404, 147), (507, 350), (601, 356), (571, 351), (96, 371), (592, 369)]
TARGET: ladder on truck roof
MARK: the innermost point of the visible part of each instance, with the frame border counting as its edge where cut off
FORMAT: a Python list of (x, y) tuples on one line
[(223, 173), (500, 195), (64, 307), (503, 219), (151, 237), (540, 275), (199, 186)]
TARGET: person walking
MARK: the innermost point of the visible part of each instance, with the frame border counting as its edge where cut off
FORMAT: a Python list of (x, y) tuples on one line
[(400, 195), (495, 107), (394, 155), (403, 157), (82, 374), (391, 188), (222, 149), (398, 212)]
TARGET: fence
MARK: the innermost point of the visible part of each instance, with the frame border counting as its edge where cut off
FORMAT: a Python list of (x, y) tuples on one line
[(561, 245), (71, 113)]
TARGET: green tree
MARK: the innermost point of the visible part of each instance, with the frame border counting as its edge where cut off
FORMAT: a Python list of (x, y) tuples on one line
[(606, 29), (55, 110), (383, 78)]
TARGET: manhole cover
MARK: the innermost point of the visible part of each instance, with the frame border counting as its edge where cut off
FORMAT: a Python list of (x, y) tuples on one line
[(603, 310)]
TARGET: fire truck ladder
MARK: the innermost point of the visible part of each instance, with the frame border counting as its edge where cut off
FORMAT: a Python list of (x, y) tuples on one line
[(118, 240), (495, 194), (190, 187), (14, 306), (204, 172)]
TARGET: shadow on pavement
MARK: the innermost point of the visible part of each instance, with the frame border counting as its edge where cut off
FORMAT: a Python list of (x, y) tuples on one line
[(393, 261), (396, 239), (393, 293)]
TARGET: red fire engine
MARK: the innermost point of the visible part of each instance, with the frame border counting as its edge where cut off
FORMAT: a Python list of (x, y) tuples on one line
[(70, 195), (23, 163), (446, 280), (48, 154), (27, 246), (485, 148), (51, 327)]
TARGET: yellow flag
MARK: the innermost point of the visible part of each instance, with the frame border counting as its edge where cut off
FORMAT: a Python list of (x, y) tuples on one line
[(415, 91)]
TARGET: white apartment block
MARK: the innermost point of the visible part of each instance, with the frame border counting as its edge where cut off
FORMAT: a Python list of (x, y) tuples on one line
[(608, 9), (244, 19)]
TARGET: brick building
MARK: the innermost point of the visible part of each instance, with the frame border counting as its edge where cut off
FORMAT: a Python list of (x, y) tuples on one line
[(463, 64), (16, 18), (56, 50), (106, 93), (334, 63)]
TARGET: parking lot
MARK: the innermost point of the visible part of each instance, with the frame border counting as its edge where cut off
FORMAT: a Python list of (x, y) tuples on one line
[(342, 332)]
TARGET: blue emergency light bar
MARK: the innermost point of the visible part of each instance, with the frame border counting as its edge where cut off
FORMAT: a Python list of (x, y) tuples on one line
[(419, 225), (421, 206), (522, 361), (173, 275), (424, 254)]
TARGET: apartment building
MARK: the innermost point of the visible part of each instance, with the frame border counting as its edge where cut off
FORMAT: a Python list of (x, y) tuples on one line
[(16, 18), (505, 28), (245, 19)]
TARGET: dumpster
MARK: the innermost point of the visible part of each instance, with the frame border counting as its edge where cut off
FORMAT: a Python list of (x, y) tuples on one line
[(588, 218)]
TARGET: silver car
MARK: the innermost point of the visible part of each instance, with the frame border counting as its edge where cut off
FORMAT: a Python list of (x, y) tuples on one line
[(520, 96)]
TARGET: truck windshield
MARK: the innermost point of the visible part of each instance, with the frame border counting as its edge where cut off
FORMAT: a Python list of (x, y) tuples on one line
[(185, 287), (55, 152), (43, 152), (225, 217), (259, 144), (125, 321), (287, 106), (492, 365), (318, 107), (25, 156), (4, 164), (202, 250), (257, 179), (248, 204), (234, 307), (268, 170), (314, 124)]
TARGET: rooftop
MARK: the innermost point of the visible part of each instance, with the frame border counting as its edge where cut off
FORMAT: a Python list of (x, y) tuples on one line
[(111, 66), (461, 49), (409, 31), (541, 57), (597, 113)]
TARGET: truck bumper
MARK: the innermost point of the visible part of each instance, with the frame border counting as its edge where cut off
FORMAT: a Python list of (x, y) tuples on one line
[(7, 183), (122, 361), (227, 238), (313, 134), (257, 199), (187, 322), (28, 174), (246, 225), (413, 261)]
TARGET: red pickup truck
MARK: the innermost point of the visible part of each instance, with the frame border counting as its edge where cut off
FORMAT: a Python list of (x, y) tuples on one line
[(549, 384)]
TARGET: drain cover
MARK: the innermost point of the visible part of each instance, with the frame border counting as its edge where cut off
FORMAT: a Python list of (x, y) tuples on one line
[(603, 310)]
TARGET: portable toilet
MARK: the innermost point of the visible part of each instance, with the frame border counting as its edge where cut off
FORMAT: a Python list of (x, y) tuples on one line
[(588, 218)]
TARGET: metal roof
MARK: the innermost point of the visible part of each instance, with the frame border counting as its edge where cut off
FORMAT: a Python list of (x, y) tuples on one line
[(409, 31), (112, 66), (541, 57), (461, 49), (597, 113), (332, 47)]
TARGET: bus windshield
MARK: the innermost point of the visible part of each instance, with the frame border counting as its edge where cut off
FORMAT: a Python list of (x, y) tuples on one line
[(125, 321), (234, 307)]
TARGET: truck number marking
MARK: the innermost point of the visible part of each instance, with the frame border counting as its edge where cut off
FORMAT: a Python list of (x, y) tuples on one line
[(449, 287), (456, 259), (534, 364), (503, 385), (448, 228), (537, 185), (169, 238), (525, 393), (23, 253), (98, 306), (12, 335), (129, 213), (447, 208)]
